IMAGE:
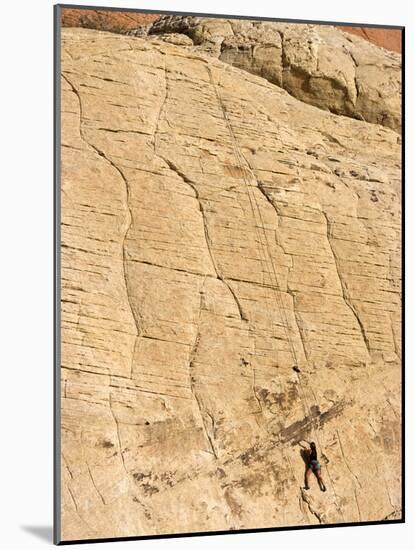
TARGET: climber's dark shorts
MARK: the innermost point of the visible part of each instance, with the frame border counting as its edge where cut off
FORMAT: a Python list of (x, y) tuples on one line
[(315, 465)]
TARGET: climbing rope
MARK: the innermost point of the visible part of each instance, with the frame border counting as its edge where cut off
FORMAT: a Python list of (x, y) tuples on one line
[(265, 251), (265, 247)]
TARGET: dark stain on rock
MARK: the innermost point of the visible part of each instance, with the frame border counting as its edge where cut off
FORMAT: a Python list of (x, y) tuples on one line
[(298, 430), (373, 196), (252, 484), (276, 402), (139, 476), (107, 444), (220, 473), (389, 436), (146, 511), (143, 480), (149, 489), (168, 478), (249, 455)]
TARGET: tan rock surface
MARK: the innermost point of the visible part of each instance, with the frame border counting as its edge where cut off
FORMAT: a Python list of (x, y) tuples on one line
[(216, 232), (318, 64), (120, 21)]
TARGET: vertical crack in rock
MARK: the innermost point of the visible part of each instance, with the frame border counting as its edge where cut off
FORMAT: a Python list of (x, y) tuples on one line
[(240, 158), (128, 208), (92, 530), (94, 484), (357, 504), (347, 300), (395, 343), (193, 389), (67, 465), (117, 424), (300, 326), (397, 416), (73, 498), (388, 492), (128, 226), (162, 106), (345, 461), (202, 411), (357, 114), (193, 186), (254, 389), (297, 318), (208, 240)]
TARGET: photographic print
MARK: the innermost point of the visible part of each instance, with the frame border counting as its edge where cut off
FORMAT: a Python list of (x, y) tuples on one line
[(228, 282)]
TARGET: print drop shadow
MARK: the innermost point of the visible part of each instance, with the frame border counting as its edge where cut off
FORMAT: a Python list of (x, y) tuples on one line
[(43, 532)]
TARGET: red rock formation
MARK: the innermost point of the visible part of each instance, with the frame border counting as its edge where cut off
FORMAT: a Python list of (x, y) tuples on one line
[(390, 39), (105, 20)]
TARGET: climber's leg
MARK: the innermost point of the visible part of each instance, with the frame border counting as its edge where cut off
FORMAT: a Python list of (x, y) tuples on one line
[(307, 478), (320, 479)]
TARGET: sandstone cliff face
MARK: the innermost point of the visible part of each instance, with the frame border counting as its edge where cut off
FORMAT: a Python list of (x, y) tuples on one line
[(318, 64), (120, 21), (217, 232)]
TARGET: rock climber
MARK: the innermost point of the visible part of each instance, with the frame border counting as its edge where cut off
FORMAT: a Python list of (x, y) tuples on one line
[(313, 467)]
